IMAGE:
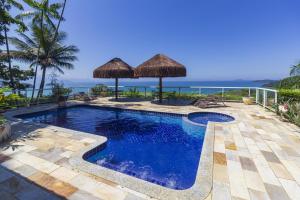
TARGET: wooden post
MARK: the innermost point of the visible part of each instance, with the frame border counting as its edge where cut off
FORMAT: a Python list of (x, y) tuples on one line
[(116, 88), (160, 89)]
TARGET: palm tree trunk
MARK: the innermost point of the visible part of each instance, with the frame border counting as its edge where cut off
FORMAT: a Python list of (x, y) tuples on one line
[(41, 89), (34, 81), (59, 21), (37, 60), (11, 80)]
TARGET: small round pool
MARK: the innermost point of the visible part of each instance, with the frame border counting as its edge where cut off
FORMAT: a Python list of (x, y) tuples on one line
[(205, 117)]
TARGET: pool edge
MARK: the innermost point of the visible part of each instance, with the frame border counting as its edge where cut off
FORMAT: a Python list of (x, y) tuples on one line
[(200, 190)]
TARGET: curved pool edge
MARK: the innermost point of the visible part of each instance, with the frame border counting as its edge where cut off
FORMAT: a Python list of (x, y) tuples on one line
[(200, 190)]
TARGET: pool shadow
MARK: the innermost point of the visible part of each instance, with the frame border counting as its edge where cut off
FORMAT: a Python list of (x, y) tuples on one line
[(14, 184), (21, 134)]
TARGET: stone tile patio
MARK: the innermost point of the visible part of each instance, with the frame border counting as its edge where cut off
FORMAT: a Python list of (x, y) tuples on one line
[(257, 157)]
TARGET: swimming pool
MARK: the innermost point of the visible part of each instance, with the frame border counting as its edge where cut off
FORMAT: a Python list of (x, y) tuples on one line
[(160, 148)]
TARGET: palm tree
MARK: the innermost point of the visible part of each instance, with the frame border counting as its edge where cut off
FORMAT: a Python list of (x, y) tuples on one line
[(61, 18), (6, 21), (41, 11), (52, 54), (295, 70)]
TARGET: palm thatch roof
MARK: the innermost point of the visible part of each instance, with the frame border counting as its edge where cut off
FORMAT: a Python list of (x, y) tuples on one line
[(160, 66), (115, 68)]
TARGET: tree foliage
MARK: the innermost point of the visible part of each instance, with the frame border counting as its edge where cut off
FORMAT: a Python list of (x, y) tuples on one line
[(292, 82), (20, 76), (295, 70), (52, 55)]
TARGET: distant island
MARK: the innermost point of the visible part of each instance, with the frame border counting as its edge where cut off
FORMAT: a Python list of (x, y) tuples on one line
[(265, 81)]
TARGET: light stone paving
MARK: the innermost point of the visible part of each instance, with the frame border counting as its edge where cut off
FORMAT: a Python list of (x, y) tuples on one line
[(256, 157)]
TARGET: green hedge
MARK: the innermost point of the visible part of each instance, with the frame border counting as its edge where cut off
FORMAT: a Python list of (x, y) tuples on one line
[(289, 95), (290, 83)]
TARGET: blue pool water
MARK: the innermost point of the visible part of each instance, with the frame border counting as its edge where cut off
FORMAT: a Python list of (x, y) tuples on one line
[(157, 147), (205, 117)]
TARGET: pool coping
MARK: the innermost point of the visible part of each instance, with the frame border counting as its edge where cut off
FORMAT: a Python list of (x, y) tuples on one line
[(200, 190)]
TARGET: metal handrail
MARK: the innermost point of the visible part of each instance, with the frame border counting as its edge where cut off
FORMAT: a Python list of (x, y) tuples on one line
[(260, 100)]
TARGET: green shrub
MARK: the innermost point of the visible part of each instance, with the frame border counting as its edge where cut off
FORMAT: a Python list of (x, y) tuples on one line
[(2, 120), (15, 100), (133, 93), (290, 83), (288, 95), (59, 90), (100, 90), (11, 100), (292, 112)]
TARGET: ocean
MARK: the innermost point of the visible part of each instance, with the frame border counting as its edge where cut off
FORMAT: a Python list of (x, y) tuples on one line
[(149, 86), (234, 83)]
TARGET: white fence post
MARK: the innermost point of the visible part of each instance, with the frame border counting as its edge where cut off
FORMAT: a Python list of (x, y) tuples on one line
[(222, 93), (249, 92), (276, 97), (257, 96), (265, 99)]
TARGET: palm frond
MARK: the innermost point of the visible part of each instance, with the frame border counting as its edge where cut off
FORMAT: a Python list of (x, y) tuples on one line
[(15, 4), (32, 3), (295, 70), (26, 15)]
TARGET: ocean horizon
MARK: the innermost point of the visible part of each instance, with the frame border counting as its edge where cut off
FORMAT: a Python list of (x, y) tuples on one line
[(167, 83)]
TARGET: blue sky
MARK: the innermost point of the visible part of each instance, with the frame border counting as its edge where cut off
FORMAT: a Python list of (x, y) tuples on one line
[(214, 39)]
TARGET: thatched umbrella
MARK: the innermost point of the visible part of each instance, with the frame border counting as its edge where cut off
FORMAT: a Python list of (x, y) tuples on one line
[(115, 68), (160, 66)]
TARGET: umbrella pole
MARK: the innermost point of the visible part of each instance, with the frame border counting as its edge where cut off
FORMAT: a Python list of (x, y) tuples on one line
[(160, 89), (116, 88)]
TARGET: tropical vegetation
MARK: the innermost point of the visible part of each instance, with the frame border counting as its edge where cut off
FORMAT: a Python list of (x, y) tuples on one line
[(6, 20), (39, 45), (295, 70), (51, 53)]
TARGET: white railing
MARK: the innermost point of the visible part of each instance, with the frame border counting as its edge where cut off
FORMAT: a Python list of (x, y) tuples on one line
[(263, 96)]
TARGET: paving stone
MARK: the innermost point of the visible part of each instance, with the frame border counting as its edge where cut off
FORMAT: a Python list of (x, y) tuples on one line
[(291, 187), (276, 193), (11, 164), (61, 188), (280, 171), (64, 174), (220, 158), (42, 179), (82, 195), (257, 157), (258, 195), (270, 156), (25, 170), (247, 164)]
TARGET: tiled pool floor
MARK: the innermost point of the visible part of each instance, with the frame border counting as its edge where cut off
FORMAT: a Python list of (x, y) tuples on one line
[(256, 158)]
